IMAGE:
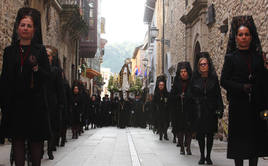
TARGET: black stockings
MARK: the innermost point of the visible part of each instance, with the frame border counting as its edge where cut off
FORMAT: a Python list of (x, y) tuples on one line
[(184, 139), (201, 142), (252, 162), (35, 149)]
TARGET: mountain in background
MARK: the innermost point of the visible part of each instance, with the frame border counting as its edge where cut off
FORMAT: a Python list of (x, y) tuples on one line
[(116, 53)]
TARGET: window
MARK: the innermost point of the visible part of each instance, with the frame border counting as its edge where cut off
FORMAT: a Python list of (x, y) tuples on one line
[(91, 23), (91, 9)]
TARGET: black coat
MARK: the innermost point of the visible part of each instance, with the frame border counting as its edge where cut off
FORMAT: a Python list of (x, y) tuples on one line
[(207, 103), (77, 109), (106, 111), (160, 101), (120, 108), (182, 109), (66, 114), (25, 108), (139, 114), (247, 137), (94, 111), (149, 111), (55, 93)]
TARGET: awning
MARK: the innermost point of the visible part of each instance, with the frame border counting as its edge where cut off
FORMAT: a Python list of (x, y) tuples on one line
[(92, 73)]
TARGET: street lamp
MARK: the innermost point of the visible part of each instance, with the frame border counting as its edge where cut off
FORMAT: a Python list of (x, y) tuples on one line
[(154, 32)]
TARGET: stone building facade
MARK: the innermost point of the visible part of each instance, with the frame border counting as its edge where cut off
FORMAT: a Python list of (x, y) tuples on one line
[(175, 32), (8, 12)]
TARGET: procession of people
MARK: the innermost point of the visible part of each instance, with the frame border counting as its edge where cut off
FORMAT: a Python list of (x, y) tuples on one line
[(39, 105)]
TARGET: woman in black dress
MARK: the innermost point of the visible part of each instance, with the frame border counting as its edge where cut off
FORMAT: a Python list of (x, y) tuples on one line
[(93, 109), (182, 109), (24, 74), (55, 99), (77, 109), (160, 101), (208, 101), (149, 110), (243, 76)]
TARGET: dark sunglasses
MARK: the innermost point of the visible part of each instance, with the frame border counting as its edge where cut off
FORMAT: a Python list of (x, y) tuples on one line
[(203, 64)]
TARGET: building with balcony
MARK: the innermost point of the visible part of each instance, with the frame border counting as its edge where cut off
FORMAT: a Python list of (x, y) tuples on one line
[(91, 46)]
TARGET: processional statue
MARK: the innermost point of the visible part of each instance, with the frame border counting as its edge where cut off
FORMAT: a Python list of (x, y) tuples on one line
[(124, 80)]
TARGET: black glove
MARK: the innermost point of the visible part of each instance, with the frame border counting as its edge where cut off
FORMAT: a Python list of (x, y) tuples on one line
[(247, 88)]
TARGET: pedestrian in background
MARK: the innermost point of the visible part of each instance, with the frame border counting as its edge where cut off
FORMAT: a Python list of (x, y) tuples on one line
[(182, 106), (138, 109), (94, 109), (87, 113), (243, 76), (77, 109), (25, 71), (66, 113), (55, 100), (106, 118), (161, 103), (149, 110), (208, 102)]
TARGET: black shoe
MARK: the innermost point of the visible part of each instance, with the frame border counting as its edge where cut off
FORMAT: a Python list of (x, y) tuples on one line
[(174, 140), (182, 151), (201, 161), (50, 156), (209, 161), (2, 141), (160, 138), (188, 150)]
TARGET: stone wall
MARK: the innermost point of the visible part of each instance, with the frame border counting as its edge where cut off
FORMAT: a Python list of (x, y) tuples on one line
[(54, 36), (175, 30), (8, 12), (159, 25)]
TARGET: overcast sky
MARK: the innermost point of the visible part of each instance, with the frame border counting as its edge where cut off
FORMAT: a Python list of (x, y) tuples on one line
[(124, 20)]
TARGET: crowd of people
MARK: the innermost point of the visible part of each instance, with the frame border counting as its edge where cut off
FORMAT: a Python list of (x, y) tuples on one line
[(38, 104)]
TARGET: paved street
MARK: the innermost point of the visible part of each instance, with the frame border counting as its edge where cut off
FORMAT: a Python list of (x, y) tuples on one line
[(125, 147)]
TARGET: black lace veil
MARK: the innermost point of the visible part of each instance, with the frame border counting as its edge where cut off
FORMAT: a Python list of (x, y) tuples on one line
[(248, 22), (36, 17)]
